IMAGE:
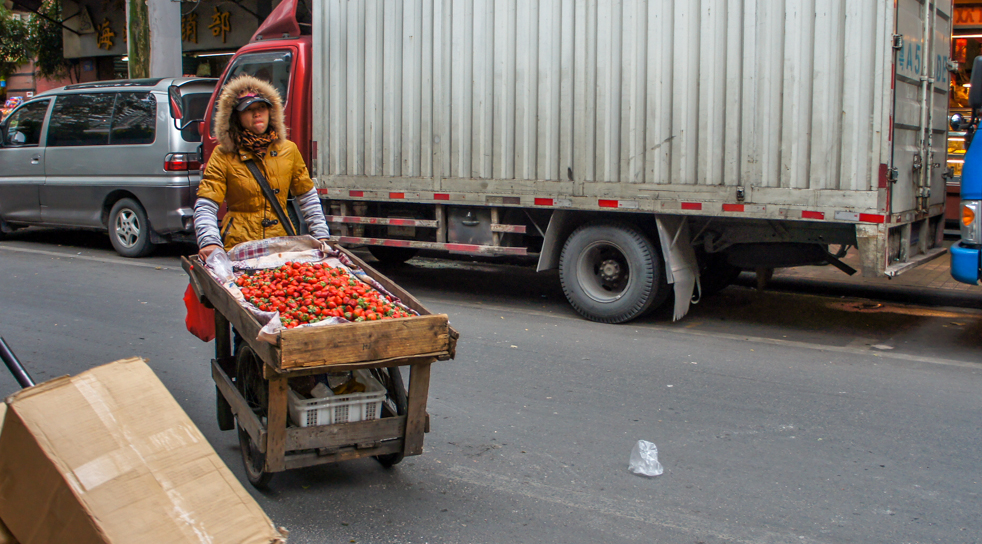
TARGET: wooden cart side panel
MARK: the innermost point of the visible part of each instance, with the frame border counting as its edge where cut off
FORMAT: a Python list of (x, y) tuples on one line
[(365, 341), (363, 365), (341, 435)]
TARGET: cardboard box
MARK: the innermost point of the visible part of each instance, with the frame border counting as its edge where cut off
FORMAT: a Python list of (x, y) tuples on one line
[(5, 536), (108, 456)]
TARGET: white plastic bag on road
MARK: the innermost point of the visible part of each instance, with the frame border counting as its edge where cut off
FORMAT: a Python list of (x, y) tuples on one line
[(644, 459)]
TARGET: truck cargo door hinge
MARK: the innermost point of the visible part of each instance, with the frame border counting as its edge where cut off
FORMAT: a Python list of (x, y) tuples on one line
[(898, 41), (924, 192), (893, 175), (740, 194), (918, 162)]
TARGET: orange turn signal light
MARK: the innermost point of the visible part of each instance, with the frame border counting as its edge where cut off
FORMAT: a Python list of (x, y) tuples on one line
[(968, 216)]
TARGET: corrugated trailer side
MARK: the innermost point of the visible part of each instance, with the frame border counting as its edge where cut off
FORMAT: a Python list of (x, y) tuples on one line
[(733, 114)]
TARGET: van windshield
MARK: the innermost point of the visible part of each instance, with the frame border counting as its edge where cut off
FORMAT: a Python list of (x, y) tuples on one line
[(272, 66)]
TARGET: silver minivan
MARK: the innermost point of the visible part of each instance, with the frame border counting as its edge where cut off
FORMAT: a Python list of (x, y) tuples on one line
[(121, 156)]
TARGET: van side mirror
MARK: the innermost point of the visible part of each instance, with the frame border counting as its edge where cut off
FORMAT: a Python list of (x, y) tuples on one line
[(176, 105)]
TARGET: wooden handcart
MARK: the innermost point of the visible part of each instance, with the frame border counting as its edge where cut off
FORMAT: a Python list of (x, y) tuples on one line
[(252, 381)]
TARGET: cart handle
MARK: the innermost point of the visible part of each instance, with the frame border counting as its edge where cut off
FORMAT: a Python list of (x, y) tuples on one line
[(13, 364)]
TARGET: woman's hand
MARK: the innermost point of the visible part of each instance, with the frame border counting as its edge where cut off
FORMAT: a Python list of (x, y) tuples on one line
[(324, 244), (204, 252)]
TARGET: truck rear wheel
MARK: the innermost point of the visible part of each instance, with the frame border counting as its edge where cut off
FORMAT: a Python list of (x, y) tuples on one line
[(612, 272)]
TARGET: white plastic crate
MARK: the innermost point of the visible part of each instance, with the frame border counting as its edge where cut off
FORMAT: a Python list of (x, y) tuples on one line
[(339, 408)]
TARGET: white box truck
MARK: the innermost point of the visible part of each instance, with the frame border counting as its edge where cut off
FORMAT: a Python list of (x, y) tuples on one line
[(642, 147)]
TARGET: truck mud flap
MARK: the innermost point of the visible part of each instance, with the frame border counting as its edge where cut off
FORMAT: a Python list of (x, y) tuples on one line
[(681, 268)]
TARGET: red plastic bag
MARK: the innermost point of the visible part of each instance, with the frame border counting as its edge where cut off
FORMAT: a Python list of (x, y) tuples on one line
[(200, 320)]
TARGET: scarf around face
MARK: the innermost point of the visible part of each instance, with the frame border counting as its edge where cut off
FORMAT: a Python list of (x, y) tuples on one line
[(257, 143)]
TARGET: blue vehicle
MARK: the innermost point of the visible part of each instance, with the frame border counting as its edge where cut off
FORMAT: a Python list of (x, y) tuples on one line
[(967, 252)]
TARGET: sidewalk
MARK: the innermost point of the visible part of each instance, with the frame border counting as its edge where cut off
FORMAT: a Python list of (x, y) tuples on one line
[(928, 284)]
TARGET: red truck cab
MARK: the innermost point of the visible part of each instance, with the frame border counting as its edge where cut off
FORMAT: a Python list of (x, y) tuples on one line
[(279, 52)]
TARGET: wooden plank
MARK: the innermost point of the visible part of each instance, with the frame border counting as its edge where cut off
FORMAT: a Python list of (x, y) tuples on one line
[(381, 363), (341, 435), (300, 460), (419, 389), (365, 341), (276, 424), (247, 419)]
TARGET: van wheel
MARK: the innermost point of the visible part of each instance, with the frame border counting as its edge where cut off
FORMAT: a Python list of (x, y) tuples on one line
[(612, 272), (129, 229)]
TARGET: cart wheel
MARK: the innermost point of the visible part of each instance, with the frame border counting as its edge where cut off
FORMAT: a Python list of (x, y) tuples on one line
[(395, 405), (226, 419), (252, 385)]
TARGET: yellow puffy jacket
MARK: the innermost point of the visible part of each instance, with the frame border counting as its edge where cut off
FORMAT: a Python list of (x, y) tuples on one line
[(227, 178)]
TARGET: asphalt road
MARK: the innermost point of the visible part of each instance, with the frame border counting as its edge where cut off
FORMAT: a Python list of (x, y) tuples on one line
[(779, 417)]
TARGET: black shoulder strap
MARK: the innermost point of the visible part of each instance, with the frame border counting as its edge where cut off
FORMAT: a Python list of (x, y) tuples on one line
[(271, 197)]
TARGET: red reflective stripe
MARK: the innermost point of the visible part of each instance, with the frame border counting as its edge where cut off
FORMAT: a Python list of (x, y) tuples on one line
[(397, 195), (356, 193), (322, 191), (441, 196), (871, 218), (732, 207), (402, 222), (812, 215), (462, 247), (692, 205), (397, 243), (607, 203), (543, 202)]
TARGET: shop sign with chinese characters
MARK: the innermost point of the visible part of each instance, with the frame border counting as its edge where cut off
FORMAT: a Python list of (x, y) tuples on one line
[(211, 25), (218, 25)]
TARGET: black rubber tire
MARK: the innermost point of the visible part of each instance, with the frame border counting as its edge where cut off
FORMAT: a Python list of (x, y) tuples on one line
[(392, 255), (612, 272), (129, 229), (715, 274), (395, 404), (226, 419), (250, 382)]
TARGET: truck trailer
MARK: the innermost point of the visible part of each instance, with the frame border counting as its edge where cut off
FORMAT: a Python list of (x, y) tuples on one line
[(649, 150)]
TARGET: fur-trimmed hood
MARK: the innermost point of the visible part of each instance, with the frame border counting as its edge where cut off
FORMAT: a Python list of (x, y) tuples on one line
[(230, 97)]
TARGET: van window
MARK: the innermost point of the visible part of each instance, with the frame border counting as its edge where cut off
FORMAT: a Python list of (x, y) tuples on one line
[(134, 119), (23, 127), (81, 119), (273, 67)]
